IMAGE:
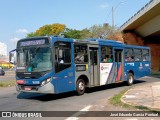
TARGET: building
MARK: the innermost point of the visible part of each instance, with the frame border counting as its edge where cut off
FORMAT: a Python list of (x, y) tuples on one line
[(4, 59), (3, 49), (4, 62)]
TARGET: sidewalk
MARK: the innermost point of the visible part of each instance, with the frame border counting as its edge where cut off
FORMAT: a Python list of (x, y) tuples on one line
[(147, 95)]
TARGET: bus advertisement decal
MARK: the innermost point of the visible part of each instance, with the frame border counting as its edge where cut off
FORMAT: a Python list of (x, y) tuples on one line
[(119, 73), (105, 69)]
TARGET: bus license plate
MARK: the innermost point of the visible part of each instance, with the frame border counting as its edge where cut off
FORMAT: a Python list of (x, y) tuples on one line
[(27, 88)]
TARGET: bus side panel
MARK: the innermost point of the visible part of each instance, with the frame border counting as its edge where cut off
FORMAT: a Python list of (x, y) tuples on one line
[(110, 73), (146, 68), (138, 70), (119, 72), (129, 66), (142, 69), (105, 70), (65, 80)]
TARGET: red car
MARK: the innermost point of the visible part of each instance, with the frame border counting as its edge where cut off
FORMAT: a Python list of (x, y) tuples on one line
[(2, 72)]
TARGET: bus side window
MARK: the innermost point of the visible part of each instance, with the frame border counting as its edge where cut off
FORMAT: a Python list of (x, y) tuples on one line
[(138, 54), (106, 54), (129, 57), (62, 58), (145, 55), (81, 53)]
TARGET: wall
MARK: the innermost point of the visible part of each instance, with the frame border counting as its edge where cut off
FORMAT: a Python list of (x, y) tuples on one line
[(155, 56), (133, 39)]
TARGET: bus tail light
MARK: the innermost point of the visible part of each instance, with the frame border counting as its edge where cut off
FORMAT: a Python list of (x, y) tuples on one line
[(20, 82)]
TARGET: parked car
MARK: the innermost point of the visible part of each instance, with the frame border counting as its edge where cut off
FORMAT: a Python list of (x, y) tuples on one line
[(2, 72)]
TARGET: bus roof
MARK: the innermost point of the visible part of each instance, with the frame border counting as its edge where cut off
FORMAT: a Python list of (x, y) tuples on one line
[(135, 46), (108, 42), (100, 41), (96, 41)]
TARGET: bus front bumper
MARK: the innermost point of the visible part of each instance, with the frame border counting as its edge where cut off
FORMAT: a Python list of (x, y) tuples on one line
[(47, 88)]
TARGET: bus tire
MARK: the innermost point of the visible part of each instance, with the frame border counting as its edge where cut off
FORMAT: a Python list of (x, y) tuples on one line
[(80, 87), (130, 79)]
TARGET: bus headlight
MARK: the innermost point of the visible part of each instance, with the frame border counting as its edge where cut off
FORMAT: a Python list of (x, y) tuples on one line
[(48, 80), (45, 81)]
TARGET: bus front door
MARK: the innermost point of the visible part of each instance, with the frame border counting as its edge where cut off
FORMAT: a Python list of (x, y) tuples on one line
[(94, 69), (119, 64)]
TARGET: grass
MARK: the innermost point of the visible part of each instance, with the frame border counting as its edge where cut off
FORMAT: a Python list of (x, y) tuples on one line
[(7, 83), (155, 73), (116, 101)]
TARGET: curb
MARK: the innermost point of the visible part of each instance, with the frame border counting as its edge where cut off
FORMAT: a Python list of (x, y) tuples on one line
[(136, 105)]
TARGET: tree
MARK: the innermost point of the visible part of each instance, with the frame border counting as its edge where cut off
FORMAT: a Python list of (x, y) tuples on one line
[(32, 34), (85, 33), (96, 31), (104, 31), (52, 29), (70, 33)]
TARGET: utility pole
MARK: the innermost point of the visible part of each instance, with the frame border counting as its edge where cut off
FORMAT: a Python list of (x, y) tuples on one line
[(113, 10), (112, 17)]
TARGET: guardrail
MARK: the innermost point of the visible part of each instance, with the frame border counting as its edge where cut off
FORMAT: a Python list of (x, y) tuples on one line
[(139, 13)]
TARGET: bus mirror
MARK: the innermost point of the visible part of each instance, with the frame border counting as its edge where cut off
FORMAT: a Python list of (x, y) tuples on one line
[(12, 56)]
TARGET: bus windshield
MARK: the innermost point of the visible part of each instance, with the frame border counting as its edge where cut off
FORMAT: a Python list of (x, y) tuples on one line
[(34, 59)]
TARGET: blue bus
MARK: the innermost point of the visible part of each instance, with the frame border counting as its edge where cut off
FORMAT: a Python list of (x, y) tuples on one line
[(57, 65)]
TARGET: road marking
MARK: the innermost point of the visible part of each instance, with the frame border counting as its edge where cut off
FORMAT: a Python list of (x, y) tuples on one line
[(132, 119), (72, 118), (86, 108), (75, 116)]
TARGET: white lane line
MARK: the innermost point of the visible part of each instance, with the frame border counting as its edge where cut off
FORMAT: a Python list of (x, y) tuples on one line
[(72, 118), (132, 119), (86, 108), (75, 116)]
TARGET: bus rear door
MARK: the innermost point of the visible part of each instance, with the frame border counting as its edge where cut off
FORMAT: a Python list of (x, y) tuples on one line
[(119, 64), (94, 66)]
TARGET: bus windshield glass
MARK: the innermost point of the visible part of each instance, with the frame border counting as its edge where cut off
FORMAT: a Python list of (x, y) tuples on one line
[(34, 59)]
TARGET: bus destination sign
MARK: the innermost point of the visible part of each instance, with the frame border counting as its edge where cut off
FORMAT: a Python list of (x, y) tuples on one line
[(32, 42)]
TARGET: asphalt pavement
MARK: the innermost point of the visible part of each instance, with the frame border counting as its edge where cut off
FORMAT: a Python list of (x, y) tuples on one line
[(144, 92), (9, 75), (147, 95)]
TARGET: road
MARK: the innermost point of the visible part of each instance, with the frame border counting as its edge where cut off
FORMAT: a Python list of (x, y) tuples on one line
[(10, 100), (9, 75)]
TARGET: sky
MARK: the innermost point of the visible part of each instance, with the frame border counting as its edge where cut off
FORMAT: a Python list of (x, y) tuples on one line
[(20, 17)]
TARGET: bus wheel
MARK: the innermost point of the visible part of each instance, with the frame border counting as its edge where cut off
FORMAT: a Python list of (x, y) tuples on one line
[(130, 79), (80, 87)]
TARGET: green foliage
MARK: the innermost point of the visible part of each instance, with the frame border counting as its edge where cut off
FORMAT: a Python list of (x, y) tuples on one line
[(70, 33), (53, 29), (155, 73), (44, 30), (85, 33), (116, 99), (32, 34), (7, 83), (96, 31), (99, 31)]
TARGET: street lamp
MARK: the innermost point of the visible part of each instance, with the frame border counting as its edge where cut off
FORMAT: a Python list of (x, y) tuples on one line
[(113, 10)]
